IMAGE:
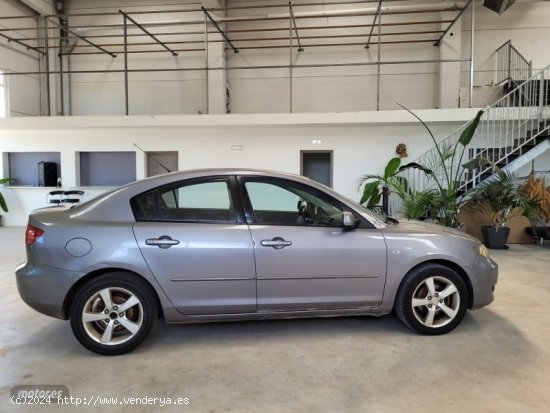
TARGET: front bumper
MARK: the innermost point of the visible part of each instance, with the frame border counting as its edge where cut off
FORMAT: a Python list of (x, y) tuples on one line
[(44, 288), (484, 277)]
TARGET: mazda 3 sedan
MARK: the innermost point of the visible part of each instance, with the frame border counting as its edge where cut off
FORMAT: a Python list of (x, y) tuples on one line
[(233, 244)]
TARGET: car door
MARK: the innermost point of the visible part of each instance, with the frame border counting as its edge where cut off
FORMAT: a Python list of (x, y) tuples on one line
[(198, 246), (305, 259)]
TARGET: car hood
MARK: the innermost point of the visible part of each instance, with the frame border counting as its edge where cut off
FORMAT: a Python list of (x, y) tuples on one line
[(419, 227)]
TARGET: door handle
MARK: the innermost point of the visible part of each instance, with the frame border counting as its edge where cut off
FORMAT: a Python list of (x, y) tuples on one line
[(162, 242), (277, 243)]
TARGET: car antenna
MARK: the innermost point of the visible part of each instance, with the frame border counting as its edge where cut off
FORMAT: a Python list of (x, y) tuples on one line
[(153, 158)]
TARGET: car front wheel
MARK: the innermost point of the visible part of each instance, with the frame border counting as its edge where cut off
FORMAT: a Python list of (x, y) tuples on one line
[(432, 299), (113, 313)]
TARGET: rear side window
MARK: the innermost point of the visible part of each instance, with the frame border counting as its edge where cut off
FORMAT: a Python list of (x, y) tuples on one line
[(204, 201)]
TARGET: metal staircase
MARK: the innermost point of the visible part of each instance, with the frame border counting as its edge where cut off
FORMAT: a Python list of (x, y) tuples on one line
[(513, 131)]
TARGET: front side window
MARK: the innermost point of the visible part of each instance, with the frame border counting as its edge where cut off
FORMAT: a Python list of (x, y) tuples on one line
[(205, 201), (286, 203)]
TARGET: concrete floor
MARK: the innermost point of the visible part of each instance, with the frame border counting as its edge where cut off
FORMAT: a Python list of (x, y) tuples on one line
[(498, 360)]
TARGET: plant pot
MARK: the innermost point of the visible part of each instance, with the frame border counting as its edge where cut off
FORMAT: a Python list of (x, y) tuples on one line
[(495, 238)]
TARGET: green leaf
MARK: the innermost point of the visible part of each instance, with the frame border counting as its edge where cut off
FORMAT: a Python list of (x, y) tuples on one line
[(3, 204), (369, 190), (401, 185), (415, 165), (374, 199), (468, 133), (392, 167)]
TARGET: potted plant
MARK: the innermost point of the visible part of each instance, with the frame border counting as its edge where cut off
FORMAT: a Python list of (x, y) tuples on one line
[(443, 167), (500, 199)]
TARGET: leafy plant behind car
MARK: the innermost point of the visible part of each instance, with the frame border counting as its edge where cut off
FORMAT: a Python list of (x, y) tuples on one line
[(446, 169), (501, 199), (3, 204)]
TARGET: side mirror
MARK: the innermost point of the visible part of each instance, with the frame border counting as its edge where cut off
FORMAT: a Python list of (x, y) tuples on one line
[(348, 220)]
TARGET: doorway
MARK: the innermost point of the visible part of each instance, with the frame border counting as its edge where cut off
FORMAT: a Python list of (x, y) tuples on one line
[(317, 165)]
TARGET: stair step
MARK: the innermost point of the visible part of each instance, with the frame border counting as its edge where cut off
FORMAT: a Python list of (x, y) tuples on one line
[(485, 175), (512, 157), (538, 138), (492, 154), (466, 186), (524, 142), (541, 138)]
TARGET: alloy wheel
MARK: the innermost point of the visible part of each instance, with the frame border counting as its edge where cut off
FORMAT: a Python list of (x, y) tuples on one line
[(112, 316), (435, 301)]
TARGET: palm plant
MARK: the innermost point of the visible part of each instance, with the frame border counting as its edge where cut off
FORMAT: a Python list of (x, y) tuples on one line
[(374, 184), (502, 198), (419, 204), (3, 204)]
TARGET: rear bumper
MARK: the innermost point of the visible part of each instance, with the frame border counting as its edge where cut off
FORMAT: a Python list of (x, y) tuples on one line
[(484, 277), (44, 288)]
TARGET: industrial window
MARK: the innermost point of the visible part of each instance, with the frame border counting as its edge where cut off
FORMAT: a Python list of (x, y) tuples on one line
[(107, 168), (161, 162), (34, 168)]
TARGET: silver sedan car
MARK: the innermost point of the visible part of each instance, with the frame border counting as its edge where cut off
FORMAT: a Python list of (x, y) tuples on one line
[(232, 244)]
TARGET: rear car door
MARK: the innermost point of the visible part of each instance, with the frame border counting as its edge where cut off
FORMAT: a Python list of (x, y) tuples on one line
[(198, 246), (305, 259)]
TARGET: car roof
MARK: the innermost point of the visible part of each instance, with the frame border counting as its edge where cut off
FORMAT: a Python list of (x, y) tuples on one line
[(227, 171)]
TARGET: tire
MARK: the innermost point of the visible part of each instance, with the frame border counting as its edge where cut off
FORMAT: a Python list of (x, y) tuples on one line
[(117, 327), (432, 299)]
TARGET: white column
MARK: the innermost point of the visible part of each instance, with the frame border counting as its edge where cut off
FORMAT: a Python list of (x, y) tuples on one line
[(141, 165), (70, 168), (216, 59), (216, 78), (449, 73)]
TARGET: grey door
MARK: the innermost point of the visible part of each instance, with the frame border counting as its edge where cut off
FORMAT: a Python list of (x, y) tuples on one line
[(304, 258), (193, 243)]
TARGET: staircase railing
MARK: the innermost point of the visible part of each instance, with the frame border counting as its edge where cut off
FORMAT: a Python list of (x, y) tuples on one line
[(511, 65), (508, 127)]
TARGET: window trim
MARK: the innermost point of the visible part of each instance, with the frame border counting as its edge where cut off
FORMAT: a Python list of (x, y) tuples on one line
[(230, 180), (249, 211)]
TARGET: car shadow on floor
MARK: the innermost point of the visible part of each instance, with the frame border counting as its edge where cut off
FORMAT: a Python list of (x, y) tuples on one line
[(476, 328), (479, 330)]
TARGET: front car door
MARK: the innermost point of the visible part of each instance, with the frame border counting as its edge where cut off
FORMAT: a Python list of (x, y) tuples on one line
[(305, 259), (198, 246)]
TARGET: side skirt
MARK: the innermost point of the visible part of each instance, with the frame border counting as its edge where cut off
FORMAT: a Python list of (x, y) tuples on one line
[(277, 315)]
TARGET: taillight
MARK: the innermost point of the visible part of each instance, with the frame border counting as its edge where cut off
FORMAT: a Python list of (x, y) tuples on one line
[(32, 234)]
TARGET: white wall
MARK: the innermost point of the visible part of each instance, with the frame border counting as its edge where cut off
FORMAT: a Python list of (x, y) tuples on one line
[(362, 142), (332, 89), (328, 89), (526, 23), (149, 93), (23, 90)]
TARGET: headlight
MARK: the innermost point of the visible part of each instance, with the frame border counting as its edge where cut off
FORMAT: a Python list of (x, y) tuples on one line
[(481, 250)]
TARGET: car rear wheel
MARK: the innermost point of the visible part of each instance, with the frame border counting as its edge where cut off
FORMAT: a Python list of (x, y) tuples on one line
[(432, 299), (113, 313)]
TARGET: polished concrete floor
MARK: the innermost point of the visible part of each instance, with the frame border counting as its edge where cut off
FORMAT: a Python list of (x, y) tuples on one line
[(498, 360)]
